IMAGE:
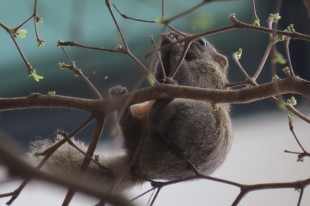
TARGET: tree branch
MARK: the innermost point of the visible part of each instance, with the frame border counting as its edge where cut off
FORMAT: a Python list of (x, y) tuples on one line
[(24, 170), (245, 95)]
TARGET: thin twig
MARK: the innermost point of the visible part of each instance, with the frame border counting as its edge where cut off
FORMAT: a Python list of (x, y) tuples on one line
[(254, 11), (240, 67), (132, 18), (264, 59), (65, 135), (277, 88), (159, 57), (295, 136), (35, 21), (288, 56), (244, 189), (274, 50), (180, 60), (301, 192), (236, 84), (72, 67), (162, 9), (142, 194), (294, 35), (155, 196), (167, 21), (108, 4), (28, 65), (75, 44)]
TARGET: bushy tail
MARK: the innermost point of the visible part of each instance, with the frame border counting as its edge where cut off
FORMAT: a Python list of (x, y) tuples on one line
[(67, 160)]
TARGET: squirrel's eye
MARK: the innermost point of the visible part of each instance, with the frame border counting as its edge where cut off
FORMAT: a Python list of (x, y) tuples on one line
[(202, 42)]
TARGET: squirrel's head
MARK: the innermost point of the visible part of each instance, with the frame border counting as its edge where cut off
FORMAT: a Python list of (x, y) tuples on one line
[(172, 47)]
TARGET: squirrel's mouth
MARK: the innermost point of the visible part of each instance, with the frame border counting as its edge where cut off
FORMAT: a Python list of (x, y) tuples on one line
[(167, 39), (165, 52)]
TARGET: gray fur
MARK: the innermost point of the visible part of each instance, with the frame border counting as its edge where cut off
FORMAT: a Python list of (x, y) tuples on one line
[(175, 127), (66, 161)]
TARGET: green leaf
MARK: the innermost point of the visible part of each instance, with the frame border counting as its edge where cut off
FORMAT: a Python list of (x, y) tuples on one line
[(151, 79), (292, 101), (275, 17), (232, 15), (278, 58), (290, 118), (35, 154), (256, 22), (41, 42), (20, 33), (280, 37), (275, 78), (63, 65), (281, 105), (238, 54), (119, 47), (35, 76), (159, 20), (39, 20), (287, 71), (51, 93), (290, 28)]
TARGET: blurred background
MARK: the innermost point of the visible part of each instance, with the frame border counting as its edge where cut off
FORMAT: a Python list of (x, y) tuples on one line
[(89, 23)]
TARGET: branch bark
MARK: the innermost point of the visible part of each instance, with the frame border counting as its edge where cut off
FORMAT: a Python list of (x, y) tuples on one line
[(24, 170), (294, 85)]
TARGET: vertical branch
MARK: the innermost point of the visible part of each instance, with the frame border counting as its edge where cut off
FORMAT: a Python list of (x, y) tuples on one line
[(300, 196), (26, 62), (146, 72), (160, 61), (108, 4), (162, 9), (290, 122), (90, 152), (254, 11), (264, 59), (288, 56), (155, 196), (240, 67), (274, 50), (177, 66), (239, 197), (36, 20)]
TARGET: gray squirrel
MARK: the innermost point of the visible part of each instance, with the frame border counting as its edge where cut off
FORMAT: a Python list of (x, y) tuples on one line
[(174, 129)]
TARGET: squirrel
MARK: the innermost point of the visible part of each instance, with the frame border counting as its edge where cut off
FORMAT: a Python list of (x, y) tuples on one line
[(179, 129), (175, 132)]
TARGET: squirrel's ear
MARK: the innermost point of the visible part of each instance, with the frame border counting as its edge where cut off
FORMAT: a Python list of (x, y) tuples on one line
[(222, 61)]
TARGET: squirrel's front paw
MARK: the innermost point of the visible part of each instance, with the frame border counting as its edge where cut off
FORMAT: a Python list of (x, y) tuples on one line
[(117, 91)]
